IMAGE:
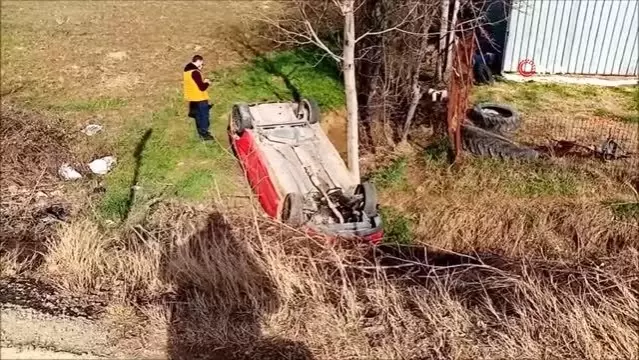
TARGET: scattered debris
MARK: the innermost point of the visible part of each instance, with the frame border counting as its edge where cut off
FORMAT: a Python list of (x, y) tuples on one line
[(92, 129), (609, 150), (66, 172), (612, 150), (103, 165), (437, 95)]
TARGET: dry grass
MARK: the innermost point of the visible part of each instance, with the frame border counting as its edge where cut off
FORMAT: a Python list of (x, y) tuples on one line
[(234, 286), (114, 49), (33, 147), (79, 256), (552, 209)]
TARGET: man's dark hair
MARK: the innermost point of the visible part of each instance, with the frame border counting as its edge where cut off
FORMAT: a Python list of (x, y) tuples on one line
[(197, 58)]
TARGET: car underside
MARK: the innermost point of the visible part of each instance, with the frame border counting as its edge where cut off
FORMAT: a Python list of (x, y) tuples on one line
[(314, 187)]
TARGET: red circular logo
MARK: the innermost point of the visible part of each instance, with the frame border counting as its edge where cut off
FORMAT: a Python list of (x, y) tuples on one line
[(526, 68)]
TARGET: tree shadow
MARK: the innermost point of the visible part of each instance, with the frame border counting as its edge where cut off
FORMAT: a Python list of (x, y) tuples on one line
[(301, 57), (251, 53), (137, 155), (222, 293)]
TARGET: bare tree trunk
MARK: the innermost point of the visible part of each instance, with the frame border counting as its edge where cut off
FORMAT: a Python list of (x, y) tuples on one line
[(417, 92), (417, 95), (351, 89), (443, 29), (451, 41)]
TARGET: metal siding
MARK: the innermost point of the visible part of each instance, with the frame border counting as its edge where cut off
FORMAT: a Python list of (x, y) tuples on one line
[(593, 37)]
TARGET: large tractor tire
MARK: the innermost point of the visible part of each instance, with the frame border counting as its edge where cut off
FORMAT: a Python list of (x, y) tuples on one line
[(486, 143), (498, 118)]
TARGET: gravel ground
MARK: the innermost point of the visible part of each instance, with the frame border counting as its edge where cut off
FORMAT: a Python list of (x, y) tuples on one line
[(26, 353), (39, 322), (26, 331)]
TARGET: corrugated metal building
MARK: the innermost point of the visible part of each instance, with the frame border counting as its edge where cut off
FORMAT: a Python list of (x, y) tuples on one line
[(593, 37)]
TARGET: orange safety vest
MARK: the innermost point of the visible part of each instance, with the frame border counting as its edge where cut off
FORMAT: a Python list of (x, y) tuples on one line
[(191, 91)]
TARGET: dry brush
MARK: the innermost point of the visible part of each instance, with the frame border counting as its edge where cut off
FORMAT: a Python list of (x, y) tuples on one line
[(237, 286)]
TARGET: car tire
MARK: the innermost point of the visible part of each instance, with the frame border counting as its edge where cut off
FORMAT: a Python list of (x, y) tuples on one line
[(313, 110), (242, 118), (498, 118), (370, 198), (481, 142), (483, 75), (293, 209)]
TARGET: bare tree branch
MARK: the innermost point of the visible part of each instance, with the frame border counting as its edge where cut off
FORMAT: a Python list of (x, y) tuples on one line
[(316, 40), (396, 27), (339, 5), (360, 5)]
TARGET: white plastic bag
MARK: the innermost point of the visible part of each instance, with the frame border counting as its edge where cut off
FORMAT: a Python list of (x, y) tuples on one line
[(68, 173), (103, 165), (92, 129)]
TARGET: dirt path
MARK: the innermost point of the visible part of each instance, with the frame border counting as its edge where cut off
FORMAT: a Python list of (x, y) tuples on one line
[(38, 353), (30, 334)]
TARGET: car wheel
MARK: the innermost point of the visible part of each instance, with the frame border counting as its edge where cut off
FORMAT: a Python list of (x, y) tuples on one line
[(293, 209), (498, 118), (242, 118), (369, 192), (312, 109)]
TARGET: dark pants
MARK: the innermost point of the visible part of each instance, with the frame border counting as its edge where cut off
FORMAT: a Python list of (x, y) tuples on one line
[(199, 110)]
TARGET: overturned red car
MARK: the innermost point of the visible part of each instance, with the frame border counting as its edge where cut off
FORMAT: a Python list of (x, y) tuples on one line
[(296, 172)]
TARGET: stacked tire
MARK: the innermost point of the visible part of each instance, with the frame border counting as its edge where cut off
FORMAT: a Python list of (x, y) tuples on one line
[(488, 133)]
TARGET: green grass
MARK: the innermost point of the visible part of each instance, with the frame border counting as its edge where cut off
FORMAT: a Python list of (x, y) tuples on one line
[(531, 95), (172, 162), (528, 179), (175, 163), (631, 113), (278, 76), (195, 183), (605, 113), (625, 210), (397, 226), (438, 151), (393, 175), (542, 182), (113, 205), (98, 104), (535, 97)]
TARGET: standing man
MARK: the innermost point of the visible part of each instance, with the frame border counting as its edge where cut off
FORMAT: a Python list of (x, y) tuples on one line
[(195, 93)]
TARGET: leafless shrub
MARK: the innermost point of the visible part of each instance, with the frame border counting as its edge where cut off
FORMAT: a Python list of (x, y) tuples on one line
[(33, 147)]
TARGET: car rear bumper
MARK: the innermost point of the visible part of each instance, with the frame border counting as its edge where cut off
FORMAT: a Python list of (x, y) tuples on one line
[(371, 231)]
